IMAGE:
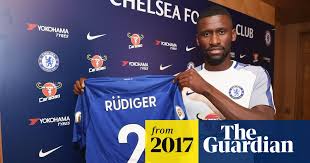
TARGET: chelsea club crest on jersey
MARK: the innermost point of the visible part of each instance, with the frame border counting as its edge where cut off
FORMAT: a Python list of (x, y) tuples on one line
[(236, 92)]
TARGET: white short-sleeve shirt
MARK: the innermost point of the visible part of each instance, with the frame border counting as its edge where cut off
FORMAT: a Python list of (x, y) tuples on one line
[(246, 85)]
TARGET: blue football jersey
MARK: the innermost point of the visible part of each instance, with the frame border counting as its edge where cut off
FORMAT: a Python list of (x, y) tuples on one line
[(110, 115)]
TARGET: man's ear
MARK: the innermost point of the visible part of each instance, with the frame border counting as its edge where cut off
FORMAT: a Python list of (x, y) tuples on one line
[(197, 42), (234, 35)]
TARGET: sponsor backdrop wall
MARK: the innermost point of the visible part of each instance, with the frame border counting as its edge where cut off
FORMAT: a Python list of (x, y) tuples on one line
[(46, 45)]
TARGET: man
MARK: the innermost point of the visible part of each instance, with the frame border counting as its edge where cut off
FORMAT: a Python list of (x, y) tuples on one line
[(221, 88)]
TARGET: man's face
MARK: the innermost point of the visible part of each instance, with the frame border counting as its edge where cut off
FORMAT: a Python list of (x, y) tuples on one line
[(214, 37)]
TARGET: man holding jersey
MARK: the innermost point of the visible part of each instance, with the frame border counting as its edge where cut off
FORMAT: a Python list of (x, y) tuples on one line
[(221, 88)]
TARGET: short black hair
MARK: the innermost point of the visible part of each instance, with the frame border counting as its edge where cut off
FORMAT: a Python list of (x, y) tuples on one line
[(214, 10)]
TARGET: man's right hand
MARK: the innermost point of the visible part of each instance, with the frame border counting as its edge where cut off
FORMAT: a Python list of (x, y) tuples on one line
[(79, 86)]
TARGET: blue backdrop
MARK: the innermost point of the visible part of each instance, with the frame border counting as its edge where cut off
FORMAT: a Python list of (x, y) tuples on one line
[(46, 45)]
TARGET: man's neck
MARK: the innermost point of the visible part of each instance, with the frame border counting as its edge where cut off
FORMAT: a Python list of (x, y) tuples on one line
[(221, 67)]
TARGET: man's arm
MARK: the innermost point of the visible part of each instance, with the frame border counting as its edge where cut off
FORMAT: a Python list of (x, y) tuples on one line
[(234, 111), (224, 104)]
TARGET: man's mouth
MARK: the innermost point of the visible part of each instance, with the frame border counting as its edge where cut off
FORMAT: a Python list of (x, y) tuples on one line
[(215, 51)]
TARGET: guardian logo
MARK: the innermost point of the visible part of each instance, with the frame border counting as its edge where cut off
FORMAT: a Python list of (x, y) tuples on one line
[(59, 32), (60, 121), (49, 90), (172, 46), (135, 40), (97, 62), (241, 140), (48, 61), (144, 66)]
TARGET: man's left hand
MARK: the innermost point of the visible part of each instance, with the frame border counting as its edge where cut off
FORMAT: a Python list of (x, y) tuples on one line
[(192, 80)]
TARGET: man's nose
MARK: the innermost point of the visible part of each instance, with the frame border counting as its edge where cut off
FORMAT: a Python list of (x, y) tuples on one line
[(215, 40)]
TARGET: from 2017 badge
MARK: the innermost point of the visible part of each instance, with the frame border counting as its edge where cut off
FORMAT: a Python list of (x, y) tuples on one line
[(171, 141)]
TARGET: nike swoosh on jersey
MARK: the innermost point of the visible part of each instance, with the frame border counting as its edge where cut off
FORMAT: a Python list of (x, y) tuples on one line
[(189, 93), (44, 154), (161, 67), (189, 49), (89, 37)]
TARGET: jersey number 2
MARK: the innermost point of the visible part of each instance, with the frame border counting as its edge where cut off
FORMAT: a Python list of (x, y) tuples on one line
[(122, 138)]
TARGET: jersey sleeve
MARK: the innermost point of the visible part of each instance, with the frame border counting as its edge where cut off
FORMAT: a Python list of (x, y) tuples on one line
[(262, 93), (81, 121)]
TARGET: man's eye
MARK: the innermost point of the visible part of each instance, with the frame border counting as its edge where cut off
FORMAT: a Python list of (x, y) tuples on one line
[(206, 34), (221, 32)]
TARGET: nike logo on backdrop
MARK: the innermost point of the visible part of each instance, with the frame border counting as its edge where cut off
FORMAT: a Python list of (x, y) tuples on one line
[(189, 49), (161, 67), (89, 37), (242, 56), (44, 154)]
